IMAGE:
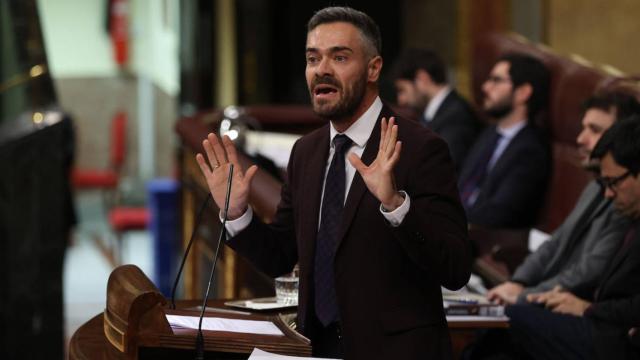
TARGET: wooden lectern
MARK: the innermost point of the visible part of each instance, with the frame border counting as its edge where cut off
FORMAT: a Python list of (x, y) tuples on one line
[(134, 326)]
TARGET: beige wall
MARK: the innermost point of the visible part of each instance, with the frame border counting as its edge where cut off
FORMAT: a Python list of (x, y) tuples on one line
[(602, 31), (92, 102)]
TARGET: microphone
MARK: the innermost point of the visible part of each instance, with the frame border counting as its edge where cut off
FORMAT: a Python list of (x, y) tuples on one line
[(223, 233), (186, 252)]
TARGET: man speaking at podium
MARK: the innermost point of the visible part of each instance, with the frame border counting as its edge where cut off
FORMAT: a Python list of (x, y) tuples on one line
[(369, 209)]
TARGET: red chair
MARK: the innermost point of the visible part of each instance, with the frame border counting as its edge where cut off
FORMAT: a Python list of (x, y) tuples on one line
[(122, 219), (106, 179)]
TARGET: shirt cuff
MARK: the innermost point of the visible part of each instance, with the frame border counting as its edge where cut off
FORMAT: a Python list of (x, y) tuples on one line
[(396, 216), (235, 226)]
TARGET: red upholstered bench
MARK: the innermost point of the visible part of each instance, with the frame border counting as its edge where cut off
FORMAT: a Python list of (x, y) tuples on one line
[(122, 219), (106, 178), (94, 179), (128, 218)]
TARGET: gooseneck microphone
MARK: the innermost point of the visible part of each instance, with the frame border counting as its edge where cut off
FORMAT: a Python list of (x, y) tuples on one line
[(186, 252), (223, 233)]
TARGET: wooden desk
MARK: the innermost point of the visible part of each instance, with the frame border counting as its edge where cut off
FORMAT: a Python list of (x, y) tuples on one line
[(89, 342)]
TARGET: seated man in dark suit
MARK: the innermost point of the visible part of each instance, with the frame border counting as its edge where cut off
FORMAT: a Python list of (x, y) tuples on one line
[(580, 248), (605, 328), (420, 78), (504, 177)]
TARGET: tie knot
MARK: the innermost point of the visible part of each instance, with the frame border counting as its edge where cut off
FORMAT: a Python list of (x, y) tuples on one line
[(341, 143)]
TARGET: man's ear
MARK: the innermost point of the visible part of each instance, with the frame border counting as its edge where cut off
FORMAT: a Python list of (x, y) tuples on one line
[(374, 68), (522, 93)]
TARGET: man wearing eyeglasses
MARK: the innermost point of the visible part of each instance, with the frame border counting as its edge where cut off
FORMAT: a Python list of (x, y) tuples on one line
[(504, 177), (607, 326), (578, 251)]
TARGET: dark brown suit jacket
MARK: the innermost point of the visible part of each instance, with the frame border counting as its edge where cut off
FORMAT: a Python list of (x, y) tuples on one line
[(387, 278)]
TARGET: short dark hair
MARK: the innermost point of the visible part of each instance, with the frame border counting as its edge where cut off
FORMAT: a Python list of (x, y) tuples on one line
[(623, 103), (362, 21), (622, 141), (526, 69), (412, 60)]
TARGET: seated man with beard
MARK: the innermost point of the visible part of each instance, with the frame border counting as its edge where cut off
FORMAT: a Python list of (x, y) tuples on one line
[(580, 248), (376, 234), (504, 177), (572, 327)]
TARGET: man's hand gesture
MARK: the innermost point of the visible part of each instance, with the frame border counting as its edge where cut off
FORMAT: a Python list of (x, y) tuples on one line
[(220, 154), (379, 175)]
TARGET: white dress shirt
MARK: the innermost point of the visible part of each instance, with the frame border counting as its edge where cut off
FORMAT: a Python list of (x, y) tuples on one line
[(507, 134), (359, 133)]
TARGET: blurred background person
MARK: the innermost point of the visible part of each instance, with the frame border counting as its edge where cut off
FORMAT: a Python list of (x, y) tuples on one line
[(420, 79), (604, 326), (578, 251), (503, 181)]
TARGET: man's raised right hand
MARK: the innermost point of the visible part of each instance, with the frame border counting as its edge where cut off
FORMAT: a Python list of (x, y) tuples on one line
[(220, 154)]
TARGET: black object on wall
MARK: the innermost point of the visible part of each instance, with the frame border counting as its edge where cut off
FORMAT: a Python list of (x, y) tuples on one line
[(35, 219), (36, 213), (197, 56)]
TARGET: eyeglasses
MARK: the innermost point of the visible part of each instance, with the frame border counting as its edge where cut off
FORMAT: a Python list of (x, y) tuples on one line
[(497, 79), (612, 182)]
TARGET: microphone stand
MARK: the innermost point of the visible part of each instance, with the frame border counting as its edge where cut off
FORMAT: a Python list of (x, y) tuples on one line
[(223, 232), (186, 252)]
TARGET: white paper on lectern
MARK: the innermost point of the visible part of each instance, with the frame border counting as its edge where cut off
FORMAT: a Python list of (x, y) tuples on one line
[(258, 354), (222, 324)]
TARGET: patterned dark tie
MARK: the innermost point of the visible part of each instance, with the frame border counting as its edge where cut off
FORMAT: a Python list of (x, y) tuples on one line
[(476, 176), (332, 205)]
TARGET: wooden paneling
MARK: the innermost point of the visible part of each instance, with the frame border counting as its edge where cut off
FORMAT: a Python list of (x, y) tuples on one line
[(601, 31)]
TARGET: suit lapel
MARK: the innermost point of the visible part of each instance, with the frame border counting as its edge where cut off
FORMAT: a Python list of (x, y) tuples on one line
[(314, 170), (593, 207), (475, 154), (599, 209), (437, 120), (358, 186), (504, 159)]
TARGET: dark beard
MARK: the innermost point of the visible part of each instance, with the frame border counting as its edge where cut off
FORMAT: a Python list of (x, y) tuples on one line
[(421, 103), (501, 109), (347, 105)]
